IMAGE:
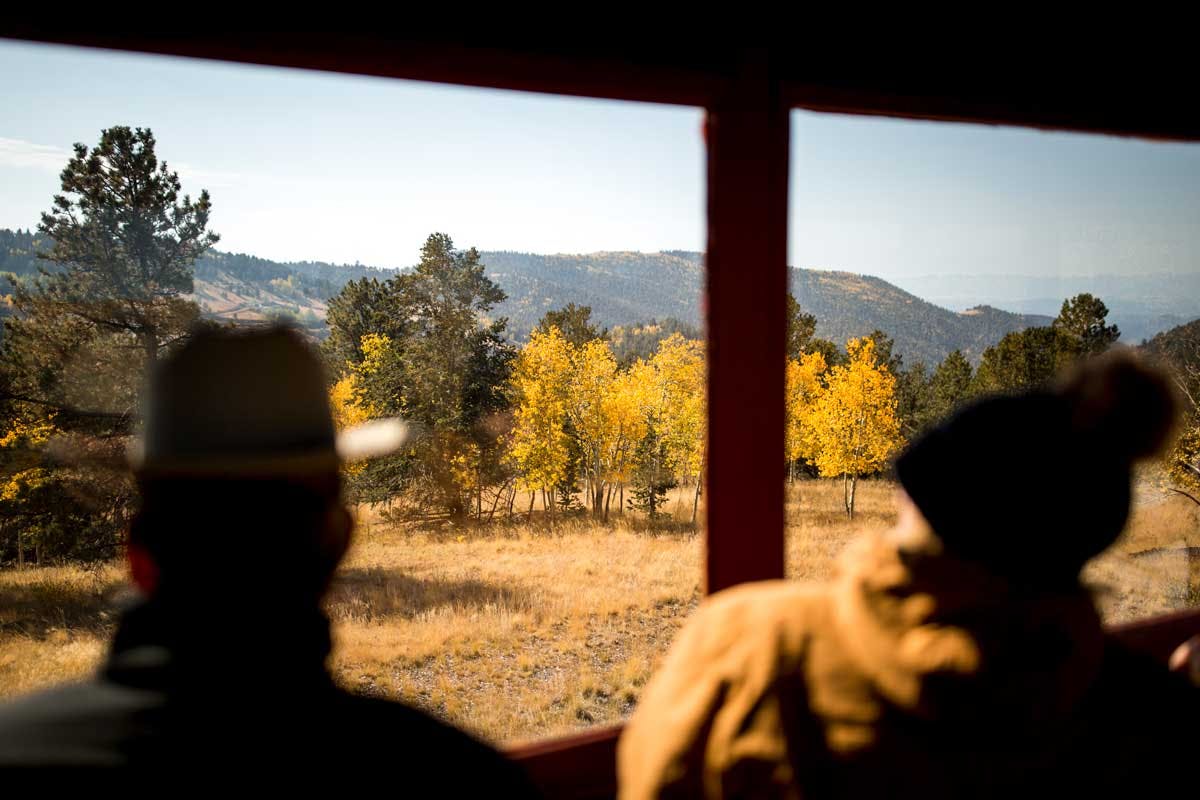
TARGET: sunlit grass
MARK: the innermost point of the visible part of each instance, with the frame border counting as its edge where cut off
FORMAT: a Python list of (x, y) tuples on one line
[(535, 627)]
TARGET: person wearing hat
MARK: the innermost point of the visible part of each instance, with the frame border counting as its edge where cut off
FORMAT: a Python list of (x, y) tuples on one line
[(219, 672), (956, 655)]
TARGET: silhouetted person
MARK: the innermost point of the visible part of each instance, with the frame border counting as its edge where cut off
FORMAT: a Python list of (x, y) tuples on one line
[(219, 675), (956, 655)]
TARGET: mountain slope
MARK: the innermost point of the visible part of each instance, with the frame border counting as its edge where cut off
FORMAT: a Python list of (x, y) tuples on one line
[(623, 288), (849, 305)]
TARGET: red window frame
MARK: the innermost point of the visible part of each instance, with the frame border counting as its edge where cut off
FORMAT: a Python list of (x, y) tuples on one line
[(748, 95)]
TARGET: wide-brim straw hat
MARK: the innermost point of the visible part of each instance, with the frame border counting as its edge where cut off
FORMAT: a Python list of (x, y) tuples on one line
[(249, 403)]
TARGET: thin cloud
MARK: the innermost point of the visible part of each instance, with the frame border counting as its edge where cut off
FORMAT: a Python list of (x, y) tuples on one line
[(202, 178), (20, 153), (30, 155)]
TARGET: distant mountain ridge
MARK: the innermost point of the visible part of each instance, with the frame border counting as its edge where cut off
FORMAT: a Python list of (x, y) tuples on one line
[(846, 305), (1141, 305), (623, 288)]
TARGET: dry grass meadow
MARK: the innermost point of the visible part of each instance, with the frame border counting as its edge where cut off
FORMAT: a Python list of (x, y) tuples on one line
[(532, 629)]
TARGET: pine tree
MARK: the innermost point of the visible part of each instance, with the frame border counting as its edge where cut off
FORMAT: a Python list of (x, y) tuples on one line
[(801, 328), (950, 386), (126, 239), (444, 366), (574, 323), (1020, 361), (122, 243), (1082, 329)]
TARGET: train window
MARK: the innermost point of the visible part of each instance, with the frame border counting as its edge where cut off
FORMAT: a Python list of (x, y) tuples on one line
[(519, 570), (933, 263)]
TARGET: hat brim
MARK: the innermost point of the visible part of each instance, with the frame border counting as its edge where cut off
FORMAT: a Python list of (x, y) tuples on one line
[(372, 439)]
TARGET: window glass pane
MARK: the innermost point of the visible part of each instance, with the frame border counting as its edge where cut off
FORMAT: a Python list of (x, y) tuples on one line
[(521, 565), (936, 263)]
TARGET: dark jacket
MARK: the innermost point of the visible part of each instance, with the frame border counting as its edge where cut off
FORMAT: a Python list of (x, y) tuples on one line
[(182, 703), (911, 674)]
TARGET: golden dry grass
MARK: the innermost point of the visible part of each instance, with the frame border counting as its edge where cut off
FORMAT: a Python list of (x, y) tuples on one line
[(516, 634), (531, 629), (54, 623)]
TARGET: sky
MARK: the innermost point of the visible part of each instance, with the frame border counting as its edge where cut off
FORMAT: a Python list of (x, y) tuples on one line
[(310, 166)]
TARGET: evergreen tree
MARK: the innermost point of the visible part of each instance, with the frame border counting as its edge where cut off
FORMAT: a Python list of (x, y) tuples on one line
[(443, 365), (574, 322), (363, 307), (1021, 361), (121, 245), (950, 386), (914, 399), (1082, 329), (801, 328), (126, 240)]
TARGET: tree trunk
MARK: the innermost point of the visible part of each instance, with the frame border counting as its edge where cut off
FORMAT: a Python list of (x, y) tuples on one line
[(621, 502), (853, 489), (607, 502), (150, 345), (532, 497), (499, 494), (20, 548), (696, 497)]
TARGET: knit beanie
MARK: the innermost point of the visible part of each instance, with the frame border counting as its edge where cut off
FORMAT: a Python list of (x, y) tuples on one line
[(1034, 485)]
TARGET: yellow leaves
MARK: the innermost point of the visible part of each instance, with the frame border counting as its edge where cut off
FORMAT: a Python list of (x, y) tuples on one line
[(462, 458), (346, 397), (375, 348), (803, 388), (541, 378), (22, 483), (29, 433), (853, 422), (682, 415), (624, 411), (558, 388)]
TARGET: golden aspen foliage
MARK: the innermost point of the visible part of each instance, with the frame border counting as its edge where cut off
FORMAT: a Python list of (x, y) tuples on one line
[(347, 397), (803, 390), (625, 411), (593, 370), (854, 423), (540, 387), (682, 412), (23, 441)]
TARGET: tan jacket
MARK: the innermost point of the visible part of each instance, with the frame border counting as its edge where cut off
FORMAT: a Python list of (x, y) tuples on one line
[(909, 673)]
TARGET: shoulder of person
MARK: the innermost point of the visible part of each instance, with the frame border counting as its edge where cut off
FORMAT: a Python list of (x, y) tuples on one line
[(755, 618), (434, 754), (77, 724)]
